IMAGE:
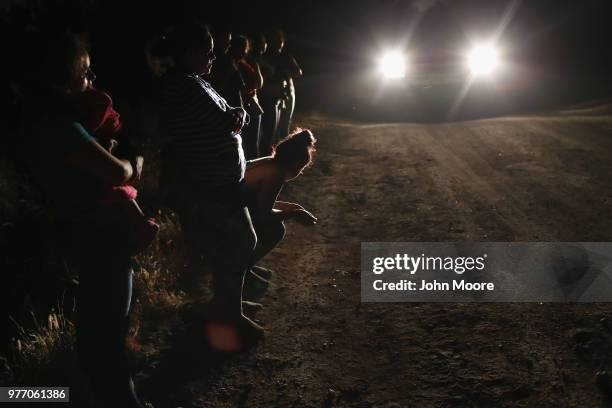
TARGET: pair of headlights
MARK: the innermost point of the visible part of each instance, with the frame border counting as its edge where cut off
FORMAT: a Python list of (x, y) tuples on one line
[(481, 60)]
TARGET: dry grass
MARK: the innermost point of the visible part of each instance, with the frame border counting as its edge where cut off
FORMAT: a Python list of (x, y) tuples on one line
[(40, 346), (158, 271), (156, 295), (43, 345)]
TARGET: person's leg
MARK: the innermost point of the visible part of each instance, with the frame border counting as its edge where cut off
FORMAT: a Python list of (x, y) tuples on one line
[(143, 230), (236, 241), (275, 138), (285, 116), (224, 234), (256, 278), (258, 138), (269, 122), (290, 110), (269, 235), (105, 289), (251, 138)]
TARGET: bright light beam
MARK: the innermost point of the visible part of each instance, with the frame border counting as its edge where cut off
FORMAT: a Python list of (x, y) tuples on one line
[(483, 60), (393, 65)]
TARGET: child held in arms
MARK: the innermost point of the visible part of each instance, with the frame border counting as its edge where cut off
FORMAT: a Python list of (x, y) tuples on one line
[(98, 117)]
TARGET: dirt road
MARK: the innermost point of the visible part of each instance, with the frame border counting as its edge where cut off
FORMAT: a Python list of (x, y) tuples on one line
[(536, 178)]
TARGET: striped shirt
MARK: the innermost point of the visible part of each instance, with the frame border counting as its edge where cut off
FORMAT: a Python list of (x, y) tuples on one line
[(201, 132)]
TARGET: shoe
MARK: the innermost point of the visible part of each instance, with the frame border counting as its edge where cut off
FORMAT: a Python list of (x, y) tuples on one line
[(263, 272), (254, 286), (250, 308)]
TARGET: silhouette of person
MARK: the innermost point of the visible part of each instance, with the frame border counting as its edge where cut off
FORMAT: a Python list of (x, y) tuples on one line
[(253, 81), (203, 132), (269, 97), (265, 178), (286, 69), (70, 165), (224, 75)]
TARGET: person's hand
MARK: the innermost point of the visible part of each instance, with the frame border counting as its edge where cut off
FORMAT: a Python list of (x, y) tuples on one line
[(108, 144), (304, 217), (238, 112), (137, 163), (241, 116), (285, 206)]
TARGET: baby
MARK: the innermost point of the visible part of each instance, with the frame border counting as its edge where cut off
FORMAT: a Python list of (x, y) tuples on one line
[(96, 114)]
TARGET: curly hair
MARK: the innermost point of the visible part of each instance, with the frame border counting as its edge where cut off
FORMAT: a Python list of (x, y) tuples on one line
[(296, 150)]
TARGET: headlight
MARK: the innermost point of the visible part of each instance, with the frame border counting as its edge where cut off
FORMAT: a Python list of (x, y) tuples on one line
[(393, 65), (483, 59)]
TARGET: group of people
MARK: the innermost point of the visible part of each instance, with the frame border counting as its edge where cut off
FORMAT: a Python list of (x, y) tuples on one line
[(228, 207), (255, 73)]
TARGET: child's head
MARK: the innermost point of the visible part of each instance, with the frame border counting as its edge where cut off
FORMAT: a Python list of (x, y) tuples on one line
[(294, 153)]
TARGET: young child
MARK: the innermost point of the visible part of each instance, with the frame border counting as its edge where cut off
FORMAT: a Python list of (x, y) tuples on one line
[(97, 115), (264, 180)]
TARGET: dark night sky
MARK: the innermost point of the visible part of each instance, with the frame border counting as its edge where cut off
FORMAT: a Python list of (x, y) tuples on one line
[(574, 33), (570, 37), (341, 29)]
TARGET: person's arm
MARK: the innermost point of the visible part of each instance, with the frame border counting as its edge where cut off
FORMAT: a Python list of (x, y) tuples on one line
[(247, 74), (281, 210), (211, 109), (256, 76), (137, 163), (296, 212), (294, 70), (126, 149), (287, 206), (92, 158), (303, 216), (199, 107), (267, 192)]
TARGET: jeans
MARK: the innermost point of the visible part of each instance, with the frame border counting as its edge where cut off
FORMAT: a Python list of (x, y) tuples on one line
[(269, 126), (101, 258), (285, 116)]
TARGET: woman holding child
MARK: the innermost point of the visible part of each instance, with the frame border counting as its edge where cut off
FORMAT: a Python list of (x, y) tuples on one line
[(79, 175)]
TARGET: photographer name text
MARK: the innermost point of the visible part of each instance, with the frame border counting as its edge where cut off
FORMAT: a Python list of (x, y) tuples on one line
[(432, 286)]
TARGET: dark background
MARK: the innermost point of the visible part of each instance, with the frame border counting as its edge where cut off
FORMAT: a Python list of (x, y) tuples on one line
[(559, 49)]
